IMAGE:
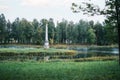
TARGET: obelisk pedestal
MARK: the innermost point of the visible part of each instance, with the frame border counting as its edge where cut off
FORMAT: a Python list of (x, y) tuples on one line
[(46, 44)]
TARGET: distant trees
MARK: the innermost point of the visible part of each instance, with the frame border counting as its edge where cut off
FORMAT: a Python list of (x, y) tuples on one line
[(37, 32), (8, 31), (51, 30), (2, 28), (70, 32), (62, 31), (15, 30), (91, 36), (23, 31), (112, 21)]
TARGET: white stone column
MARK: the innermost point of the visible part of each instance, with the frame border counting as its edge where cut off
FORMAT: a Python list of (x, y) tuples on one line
[(46, 45)]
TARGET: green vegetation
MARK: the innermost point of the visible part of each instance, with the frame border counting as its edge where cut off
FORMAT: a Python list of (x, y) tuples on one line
[(87, 59), (36, 50), (58, 63), (101, 70), (105, 58), (33, 53), (112, 22), (22, 31)]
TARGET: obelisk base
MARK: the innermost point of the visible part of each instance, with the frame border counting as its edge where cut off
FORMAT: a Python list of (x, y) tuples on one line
[(46, 45)]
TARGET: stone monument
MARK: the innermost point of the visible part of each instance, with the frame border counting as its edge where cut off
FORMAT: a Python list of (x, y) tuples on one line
[(46, 44)]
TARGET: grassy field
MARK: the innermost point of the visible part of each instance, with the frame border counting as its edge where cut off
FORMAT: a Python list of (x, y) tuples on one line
[(97, 70)]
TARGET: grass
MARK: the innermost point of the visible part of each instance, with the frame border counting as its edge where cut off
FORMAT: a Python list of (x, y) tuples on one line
[(61, 46), (97, 70), (35, 50), (22, 54), (99, 58)]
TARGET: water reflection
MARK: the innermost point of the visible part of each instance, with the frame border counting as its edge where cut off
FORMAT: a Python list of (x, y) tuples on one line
[(93, 52)]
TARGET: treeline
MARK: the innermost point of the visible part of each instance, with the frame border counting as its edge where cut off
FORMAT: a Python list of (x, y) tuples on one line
[(25, 32)]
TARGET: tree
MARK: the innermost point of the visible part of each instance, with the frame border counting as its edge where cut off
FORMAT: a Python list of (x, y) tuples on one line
[(91, 23), (38, 35), (9, 31), (51, 30), (37, 32), (26, 31), (61, 31), (2, 28), (99, 32), (15, 30), (35, 25), (110, 35), (82, 30), (91, 36), (111, 11), (70, 32), (21, 31)]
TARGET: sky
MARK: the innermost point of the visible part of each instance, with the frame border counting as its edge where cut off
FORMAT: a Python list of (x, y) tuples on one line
[(39, 9)]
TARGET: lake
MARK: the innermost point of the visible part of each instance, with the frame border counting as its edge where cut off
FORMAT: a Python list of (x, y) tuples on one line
[(82, 52), (95, 51)]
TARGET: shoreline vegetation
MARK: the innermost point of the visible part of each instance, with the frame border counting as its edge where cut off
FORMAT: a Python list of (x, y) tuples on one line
[(59, 45), (55, 53)]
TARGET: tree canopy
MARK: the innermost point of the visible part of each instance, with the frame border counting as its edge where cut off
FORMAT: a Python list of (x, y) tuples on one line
[(23, 31), (112, 13)]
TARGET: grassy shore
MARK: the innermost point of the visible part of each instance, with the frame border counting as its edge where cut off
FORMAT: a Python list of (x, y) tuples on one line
[(35, 50), (34, 53), (97, 70), (59, 45)]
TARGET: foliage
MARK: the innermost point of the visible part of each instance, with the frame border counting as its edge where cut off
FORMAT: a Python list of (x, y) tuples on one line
[(2, 27), (61, 31), (91, 36), (111, 11), (23, 31)]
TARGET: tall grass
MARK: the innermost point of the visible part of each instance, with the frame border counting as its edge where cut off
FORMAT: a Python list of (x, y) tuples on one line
[(101, 70), (33, 53), (35, 50)]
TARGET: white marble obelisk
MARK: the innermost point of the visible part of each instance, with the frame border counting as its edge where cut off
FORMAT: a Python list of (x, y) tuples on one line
[(46, 44)]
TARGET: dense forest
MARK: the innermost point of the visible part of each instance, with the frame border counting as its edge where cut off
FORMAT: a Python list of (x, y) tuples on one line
[(23, 31)]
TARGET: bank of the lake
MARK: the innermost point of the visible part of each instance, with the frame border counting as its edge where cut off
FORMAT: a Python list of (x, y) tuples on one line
[(76, 52), (34, 53)]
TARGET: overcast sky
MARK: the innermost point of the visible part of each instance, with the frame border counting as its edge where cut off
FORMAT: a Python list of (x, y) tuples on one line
[(56, 9)]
